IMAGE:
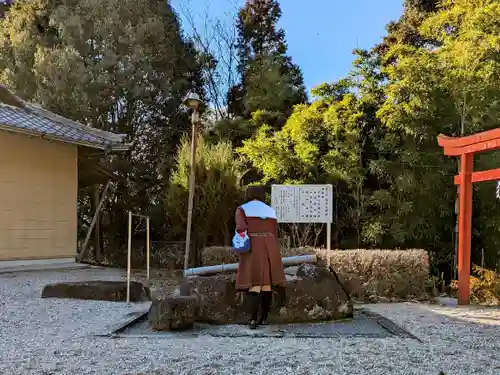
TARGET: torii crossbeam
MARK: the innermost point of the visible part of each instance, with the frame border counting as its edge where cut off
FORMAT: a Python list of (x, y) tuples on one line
[(466, 147)]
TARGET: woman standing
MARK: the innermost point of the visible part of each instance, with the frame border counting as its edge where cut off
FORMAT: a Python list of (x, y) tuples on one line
[(261, 268)]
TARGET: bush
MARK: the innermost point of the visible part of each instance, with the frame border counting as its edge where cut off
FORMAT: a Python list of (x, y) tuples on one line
[(217, 194), (368, 275), (484, 286)]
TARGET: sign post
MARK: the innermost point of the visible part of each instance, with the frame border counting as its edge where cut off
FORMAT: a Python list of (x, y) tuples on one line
[(304, 204)]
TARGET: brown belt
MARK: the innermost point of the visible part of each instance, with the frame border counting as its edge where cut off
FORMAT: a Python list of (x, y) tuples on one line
[(262, 234)]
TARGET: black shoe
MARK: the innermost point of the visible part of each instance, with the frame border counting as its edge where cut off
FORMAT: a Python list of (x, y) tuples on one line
[(262, 322), (253, 324)]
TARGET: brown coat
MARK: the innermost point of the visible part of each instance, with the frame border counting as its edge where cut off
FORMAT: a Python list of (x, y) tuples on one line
[(262, 265)]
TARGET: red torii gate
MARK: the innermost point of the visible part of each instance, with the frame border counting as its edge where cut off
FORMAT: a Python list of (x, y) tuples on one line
[(466, 147)]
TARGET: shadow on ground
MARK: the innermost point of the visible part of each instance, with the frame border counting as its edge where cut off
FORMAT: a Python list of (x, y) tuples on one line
[(364, 324)]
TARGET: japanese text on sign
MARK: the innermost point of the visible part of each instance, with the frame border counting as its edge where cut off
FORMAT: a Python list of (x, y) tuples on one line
[(302, 203)]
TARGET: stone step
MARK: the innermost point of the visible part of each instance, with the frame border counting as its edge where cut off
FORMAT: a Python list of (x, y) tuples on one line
[(13, 266)]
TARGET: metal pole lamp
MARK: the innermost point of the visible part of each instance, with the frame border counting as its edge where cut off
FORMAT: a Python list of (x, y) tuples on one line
[(194, 102)]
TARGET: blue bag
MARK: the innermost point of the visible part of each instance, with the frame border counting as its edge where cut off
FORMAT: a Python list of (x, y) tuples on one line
[(241, 245)]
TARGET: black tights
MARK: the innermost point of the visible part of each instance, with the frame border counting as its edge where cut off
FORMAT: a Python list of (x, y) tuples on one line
[(254, 303), (263, 300), (266, 299)]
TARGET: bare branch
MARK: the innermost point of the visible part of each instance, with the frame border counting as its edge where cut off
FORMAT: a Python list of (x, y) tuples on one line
[(216, 37)]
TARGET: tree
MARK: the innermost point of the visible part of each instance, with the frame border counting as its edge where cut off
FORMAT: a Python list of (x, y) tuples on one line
[(320, 143), (117, 65), (217, 193), (440, 89), (406, 29), (269, 79), (216, 38)]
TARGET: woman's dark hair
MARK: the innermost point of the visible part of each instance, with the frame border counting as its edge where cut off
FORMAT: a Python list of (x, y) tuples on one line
[(255, 192)]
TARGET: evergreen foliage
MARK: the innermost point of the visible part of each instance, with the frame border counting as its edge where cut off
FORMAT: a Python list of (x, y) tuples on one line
[(125, 66)]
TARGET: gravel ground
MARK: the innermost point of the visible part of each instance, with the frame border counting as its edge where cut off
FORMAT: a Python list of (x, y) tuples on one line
[(58, 337)]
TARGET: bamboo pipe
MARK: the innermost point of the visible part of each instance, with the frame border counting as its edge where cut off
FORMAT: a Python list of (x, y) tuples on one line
[(210, 270)]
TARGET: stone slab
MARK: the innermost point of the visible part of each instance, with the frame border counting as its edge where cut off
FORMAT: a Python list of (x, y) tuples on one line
[(313, 295), (123, 323), (362, 325), (114, 291), (173, 313)]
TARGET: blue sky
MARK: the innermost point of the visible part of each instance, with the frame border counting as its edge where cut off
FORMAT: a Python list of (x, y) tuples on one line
[(321, 34)]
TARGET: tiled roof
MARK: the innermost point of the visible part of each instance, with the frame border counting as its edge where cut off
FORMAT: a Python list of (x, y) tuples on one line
[(31, 119)]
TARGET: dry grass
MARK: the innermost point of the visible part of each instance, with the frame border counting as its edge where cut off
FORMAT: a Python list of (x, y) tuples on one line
[(389, 274), (212, 256), (369, 275)]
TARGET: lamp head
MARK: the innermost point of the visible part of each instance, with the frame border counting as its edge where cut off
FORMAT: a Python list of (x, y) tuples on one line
[(193, 101)]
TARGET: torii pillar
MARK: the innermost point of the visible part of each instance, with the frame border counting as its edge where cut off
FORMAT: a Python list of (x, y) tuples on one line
[(465, 148)]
